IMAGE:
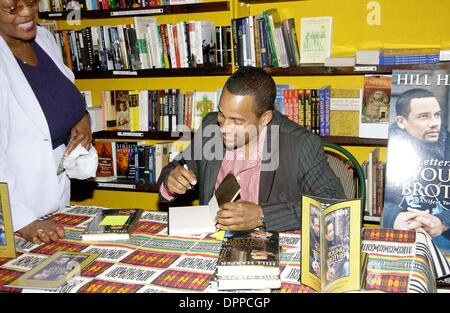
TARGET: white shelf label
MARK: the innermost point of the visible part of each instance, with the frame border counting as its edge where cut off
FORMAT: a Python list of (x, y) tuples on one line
[(138, 12), (372, 218), (134, 73), (130, 134), (118, 186), (54, 14), (365, 68)]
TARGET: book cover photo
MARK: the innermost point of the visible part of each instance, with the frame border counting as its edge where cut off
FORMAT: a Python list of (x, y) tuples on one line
[(7, 245), (375, 106), (54, 271), (418, 158), (253, 253)]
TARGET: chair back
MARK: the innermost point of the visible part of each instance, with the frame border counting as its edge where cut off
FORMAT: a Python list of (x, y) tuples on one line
[(348, 170)]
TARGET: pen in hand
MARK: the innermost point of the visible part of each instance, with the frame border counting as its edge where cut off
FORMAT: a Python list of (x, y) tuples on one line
[(183, 163)]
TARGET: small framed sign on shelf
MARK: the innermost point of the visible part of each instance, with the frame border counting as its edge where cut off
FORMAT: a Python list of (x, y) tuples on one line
[(7, 245)]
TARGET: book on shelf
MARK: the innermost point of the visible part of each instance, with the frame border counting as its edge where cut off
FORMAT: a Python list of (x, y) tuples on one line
[(368, 57), (7, 244), (54, 271), (345, 107), (188, 220), (203, 103), (125, 159), (315, 42), (107, 167), (331, 242), (417, 174), (401, 261), (375, 106), (279, 99), (122, 103), (399, 56), (112, 224), (371, 189), (336, 61), (444, 55), (249, 256)]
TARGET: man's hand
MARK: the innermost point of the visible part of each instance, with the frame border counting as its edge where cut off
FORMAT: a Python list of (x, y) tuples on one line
[(239, 215), (180, 180), (406, 221), (42, 231), (430, 223), (80, 133)]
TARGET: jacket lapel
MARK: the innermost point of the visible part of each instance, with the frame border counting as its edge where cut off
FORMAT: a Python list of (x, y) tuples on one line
[(267, 171), (212, 168)]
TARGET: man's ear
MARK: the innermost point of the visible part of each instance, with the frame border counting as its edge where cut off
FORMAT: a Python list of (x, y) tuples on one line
[(401, 122), (266, 117)]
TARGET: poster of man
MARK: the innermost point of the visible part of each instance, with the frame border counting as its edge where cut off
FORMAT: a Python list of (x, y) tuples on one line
[(314, 238), (418, 161), (337, 244)]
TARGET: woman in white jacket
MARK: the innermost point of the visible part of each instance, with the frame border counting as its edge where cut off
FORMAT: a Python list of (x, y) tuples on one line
[(40, 112)]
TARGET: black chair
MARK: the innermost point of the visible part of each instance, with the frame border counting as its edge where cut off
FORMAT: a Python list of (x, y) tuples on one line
[(348, 170)]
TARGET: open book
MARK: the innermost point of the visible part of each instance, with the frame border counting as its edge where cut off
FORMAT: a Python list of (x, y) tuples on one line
[(331, 239), (189, 220)]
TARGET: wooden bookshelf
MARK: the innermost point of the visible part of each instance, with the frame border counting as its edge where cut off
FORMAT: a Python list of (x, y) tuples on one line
[(157, 72), (320, 70), (159, 10)]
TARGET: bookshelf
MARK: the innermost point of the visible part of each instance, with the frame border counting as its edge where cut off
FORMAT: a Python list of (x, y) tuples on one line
[(148, 11), (320, 70), (157, 72), (408, 29)]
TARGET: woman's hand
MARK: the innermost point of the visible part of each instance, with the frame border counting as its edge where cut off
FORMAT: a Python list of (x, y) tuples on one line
[(42, 232), (80, 133)]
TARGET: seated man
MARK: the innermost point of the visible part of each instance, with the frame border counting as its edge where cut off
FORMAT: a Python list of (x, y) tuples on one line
[(274, 160)]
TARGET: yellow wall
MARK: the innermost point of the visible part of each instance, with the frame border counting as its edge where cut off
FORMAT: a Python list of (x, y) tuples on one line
[(403, 23)]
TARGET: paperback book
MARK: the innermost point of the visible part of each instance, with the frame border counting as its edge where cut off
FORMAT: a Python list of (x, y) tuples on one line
[(112, 224)]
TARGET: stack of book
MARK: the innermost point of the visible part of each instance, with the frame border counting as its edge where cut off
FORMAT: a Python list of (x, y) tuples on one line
[(249, 260)]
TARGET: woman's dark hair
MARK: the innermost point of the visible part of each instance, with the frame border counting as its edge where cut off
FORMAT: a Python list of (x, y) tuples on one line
[(256, 82)]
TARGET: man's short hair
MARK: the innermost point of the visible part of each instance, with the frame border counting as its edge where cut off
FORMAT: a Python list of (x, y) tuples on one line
[(403, 107), (248, 80)]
